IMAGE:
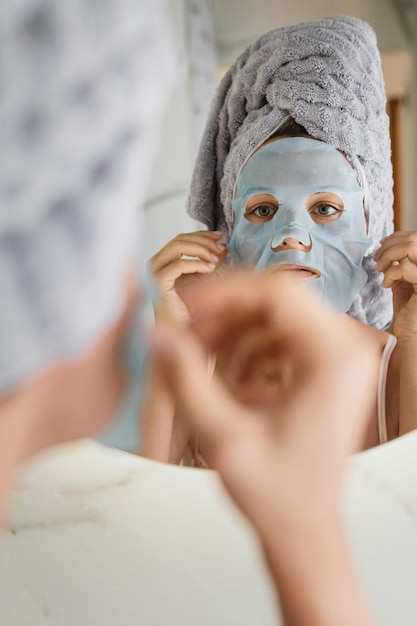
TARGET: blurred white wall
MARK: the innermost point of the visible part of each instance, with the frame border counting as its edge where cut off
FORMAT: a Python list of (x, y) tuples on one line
[(165, 213), (238, 22)]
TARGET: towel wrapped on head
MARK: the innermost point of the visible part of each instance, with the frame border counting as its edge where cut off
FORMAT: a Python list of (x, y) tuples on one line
[(80, 108), (327, 75)]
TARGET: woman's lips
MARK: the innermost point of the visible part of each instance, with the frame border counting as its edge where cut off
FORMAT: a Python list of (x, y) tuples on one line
[(301, 271)]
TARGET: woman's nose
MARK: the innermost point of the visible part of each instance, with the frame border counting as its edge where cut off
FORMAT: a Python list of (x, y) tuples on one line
[(291, 243)]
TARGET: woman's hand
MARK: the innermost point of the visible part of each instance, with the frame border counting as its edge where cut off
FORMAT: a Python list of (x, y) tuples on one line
[(284, 472), (185, 259), (281, 459), (397, 258)]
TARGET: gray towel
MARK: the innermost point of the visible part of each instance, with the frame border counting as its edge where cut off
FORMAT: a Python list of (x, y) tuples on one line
[(327, 75), (80, 110)]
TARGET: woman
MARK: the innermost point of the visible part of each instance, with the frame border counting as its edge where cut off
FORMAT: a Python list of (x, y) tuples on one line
[(326, 75)]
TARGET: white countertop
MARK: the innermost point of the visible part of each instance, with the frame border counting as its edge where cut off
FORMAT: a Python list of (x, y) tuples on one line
[(98, 537)]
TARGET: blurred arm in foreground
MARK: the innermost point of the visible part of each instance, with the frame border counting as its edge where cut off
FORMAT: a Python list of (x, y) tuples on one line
[(283, 462)]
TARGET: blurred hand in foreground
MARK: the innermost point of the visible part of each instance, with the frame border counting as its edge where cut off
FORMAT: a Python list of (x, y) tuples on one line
[(281, 462)]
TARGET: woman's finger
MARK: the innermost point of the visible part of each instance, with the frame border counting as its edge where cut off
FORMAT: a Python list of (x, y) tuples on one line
[(201, 245), (166, 277), (405, 270), (397, 253), (396, 239)]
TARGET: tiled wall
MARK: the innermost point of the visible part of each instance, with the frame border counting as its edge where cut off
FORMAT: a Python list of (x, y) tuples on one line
[(165, 213)]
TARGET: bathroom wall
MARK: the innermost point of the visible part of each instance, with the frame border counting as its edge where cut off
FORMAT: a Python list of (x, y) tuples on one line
[(184, 122)]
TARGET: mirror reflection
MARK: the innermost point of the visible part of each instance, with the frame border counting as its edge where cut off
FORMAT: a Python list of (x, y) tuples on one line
[(266, 209), (284, 304)]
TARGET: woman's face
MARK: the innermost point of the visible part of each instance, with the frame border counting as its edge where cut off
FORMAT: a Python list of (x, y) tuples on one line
[(298, 207)]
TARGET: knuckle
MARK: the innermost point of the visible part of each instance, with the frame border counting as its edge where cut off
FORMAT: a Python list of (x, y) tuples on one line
[(179, 239), (177, 247), (410, 242), (179, 263), (413, 246)]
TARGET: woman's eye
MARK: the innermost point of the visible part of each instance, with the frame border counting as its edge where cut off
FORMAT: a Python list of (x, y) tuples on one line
[(260, 210), (263, 211), (324, 210), (323, 213)]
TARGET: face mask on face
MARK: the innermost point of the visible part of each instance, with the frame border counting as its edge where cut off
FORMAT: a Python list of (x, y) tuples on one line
[(298, 205)]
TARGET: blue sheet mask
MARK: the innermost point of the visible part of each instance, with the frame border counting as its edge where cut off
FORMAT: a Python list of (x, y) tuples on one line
[(124, 431), (290, 171)]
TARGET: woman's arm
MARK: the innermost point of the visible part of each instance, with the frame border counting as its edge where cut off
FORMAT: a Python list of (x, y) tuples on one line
[(408, 384), (315, 580), (282, 464), (184, 259), (397, 258)]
